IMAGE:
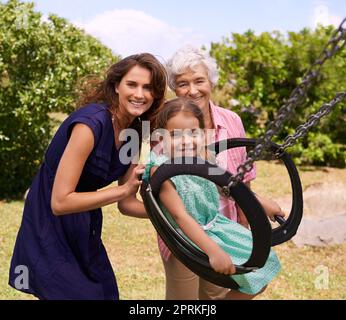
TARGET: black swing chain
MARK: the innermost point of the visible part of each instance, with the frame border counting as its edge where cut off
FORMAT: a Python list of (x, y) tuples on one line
[(336, 43), (312, 121)]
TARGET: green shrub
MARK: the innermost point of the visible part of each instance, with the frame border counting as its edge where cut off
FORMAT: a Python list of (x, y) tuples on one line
[(40, 63), (318, 149)]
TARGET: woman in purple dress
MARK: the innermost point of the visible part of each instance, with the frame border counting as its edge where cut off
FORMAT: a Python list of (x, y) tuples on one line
[(59, 241)]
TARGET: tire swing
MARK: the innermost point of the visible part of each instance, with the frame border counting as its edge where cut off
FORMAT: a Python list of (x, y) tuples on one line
[(192, 257), (263, 235)]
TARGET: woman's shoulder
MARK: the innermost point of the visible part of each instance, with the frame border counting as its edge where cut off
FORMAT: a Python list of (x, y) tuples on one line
[(226, 113), (95, 116), (228, 119), (94, 110)]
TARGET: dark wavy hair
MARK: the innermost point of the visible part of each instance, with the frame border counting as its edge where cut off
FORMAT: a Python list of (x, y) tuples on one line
[(172, 107), (95, 90)]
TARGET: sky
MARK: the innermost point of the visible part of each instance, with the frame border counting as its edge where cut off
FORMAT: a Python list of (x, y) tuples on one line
[(162, 27)]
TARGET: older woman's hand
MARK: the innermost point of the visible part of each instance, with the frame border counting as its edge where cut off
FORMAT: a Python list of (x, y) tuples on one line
[(271, 208)]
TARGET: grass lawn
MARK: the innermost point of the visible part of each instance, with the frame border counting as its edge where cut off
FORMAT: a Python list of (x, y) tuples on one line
[(131, 245)]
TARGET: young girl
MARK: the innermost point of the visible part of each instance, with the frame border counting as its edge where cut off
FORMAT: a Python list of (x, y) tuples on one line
[(193, 202)]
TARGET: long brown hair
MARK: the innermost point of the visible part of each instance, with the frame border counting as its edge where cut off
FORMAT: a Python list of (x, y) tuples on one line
[(94, 90)]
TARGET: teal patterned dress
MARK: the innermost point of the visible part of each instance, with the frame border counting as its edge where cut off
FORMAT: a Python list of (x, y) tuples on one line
[(201, 199)]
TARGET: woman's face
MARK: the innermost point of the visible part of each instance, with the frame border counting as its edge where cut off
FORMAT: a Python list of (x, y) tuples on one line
[(194, 85), (184, 136), (135, 92)]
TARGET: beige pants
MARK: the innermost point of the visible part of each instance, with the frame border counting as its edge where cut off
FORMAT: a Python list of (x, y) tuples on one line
[(183, 284)]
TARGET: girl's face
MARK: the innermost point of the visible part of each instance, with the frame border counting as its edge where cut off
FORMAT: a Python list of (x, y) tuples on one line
[(184, 136), (135, 92), (194, 85)]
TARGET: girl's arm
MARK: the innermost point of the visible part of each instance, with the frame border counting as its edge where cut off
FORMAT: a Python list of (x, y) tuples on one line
[(219, 260), (130, 205), (65, 199)]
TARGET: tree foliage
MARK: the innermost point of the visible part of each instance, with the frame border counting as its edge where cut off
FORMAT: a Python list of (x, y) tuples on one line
[(258, 73), (41, 60)]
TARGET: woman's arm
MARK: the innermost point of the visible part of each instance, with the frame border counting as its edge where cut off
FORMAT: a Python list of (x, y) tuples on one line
[(271, 208), (65, 199), (219, 260), (130, 205)]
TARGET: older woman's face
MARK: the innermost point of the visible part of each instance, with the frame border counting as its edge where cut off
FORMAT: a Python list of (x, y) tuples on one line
[(194, 85)]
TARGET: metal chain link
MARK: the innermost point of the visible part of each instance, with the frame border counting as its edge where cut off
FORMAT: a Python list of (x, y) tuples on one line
[(312, 121), (336, 43)]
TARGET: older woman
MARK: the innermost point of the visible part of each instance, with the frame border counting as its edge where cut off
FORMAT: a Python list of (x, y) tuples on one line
[(192, 74)]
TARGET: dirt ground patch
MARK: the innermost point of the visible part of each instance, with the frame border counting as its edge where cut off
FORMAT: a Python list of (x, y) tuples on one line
[(324, 220)]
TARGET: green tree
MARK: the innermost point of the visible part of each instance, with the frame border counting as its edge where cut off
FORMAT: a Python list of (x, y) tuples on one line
[(260, 71), (41, 61)]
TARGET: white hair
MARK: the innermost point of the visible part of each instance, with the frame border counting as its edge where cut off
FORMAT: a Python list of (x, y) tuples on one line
[(188, 58)]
